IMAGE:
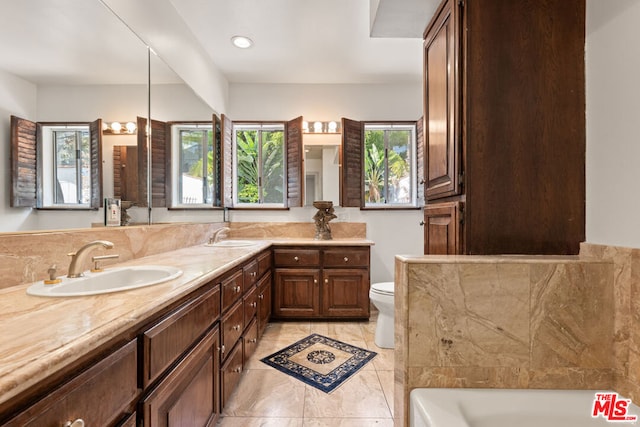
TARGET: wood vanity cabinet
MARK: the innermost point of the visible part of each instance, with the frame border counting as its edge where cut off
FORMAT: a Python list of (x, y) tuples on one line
[(322, 282), (103, 395), (504, 127)]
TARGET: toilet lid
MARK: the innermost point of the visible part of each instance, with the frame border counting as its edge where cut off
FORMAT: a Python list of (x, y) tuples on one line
[(383, 288)]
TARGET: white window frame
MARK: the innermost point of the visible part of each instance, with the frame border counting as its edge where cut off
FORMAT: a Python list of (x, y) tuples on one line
[(267, 126), (176, 150)]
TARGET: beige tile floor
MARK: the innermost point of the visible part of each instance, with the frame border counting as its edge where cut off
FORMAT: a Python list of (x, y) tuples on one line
[(269, 398)]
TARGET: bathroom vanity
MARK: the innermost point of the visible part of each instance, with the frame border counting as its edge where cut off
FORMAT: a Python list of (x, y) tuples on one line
[(168, 354)]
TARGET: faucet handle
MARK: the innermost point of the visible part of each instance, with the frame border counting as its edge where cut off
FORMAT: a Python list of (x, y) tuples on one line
[(98, 258), (52, 280)]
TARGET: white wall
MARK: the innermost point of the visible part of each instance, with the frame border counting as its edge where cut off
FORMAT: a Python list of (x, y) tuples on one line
[(394, 232), (613, 122)]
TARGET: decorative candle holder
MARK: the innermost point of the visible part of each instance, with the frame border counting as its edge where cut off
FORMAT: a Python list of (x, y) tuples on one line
[(322, 217)]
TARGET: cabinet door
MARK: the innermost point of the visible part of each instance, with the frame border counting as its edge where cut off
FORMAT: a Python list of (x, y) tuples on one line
[(296, 292), (345, 293), (264, 303), (442, 103), (189, 395), (442, 229)]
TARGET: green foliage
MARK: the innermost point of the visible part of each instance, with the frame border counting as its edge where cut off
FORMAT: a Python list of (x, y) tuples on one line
[(375, 162), (248, 166)]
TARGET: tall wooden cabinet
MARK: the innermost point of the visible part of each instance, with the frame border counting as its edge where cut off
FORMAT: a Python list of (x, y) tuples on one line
[(504, 121)]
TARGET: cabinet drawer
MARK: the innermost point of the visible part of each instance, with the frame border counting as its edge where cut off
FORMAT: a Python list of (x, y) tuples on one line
[(250, 305), (250, 341), (101, 396), (171, 337), (231, 288), (346, 257), (231, 326), (250, 272), (264, 263), (230, 373), (297, 257)]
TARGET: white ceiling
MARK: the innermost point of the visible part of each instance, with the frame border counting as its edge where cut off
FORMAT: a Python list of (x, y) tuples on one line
[(296, 41)]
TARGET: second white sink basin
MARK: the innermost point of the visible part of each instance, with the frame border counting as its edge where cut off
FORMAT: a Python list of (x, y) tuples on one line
[(109, 280), (232, 243)]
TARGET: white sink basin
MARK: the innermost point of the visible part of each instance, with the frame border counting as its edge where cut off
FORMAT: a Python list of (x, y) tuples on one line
[(231, 243), (109, 280)]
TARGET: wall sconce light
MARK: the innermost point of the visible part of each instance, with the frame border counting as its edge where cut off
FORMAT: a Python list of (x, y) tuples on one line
[(118, 128), (321, 127)]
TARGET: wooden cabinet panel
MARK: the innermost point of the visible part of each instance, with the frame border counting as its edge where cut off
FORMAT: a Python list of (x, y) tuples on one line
[(230, 373), (101, 396), (345, 293), (250, 305), (249, 341), (264, 262), (231, 326), (264, 303), (346, 257), (442, 229), (442, 104), (296, 292), (231, 288), (296, 257), (189, 394), (167, 340)]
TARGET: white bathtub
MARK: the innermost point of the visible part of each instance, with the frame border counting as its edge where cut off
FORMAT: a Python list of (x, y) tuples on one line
[(459, 407)]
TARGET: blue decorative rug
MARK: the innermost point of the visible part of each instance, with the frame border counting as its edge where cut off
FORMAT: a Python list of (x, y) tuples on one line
[(321, 362)]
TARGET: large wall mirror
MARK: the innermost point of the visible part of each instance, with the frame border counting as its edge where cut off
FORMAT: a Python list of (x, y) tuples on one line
[(321, 167), (75, 61)]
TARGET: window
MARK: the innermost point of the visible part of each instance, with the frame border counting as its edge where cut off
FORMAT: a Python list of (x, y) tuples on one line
[(193, 165), (66, 166), (389, 165), (259, 178)]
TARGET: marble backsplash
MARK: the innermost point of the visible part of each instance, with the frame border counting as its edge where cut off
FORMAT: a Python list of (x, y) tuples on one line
[(26, 257), (339, 230), (503, 322)]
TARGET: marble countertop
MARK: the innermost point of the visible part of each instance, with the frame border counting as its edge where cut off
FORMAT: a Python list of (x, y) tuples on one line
[(492, 259), (41, 335)]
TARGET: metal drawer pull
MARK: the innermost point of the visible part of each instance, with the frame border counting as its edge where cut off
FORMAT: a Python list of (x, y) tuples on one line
[(253, 340), (223, 348), (236, 327), (77, 423), (238, 370), (295, 258), (326, 280), (261, 296), (253, 274), (253, 304), (315, 281), (236, 289), (346, 259)]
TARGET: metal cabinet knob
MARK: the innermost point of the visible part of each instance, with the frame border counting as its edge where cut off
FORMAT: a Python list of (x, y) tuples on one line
[(236, 289), (236, 327), (315, 281), (253, 340), (346, 259), (261, 296), (77, 423), (237, 370), (326, 280), (295, 258)]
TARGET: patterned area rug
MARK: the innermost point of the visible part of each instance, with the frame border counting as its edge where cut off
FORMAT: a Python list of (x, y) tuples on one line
[(319, 361)]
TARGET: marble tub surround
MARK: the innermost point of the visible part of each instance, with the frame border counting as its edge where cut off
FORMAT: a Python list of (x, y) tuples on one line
[(41, 336), (502, 322), (26, 257), (626, 335), (305, 230)]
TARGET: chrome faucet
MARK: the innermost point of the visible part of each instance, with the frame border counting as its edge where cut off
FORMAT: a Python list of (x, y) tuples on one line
[(215, 237), (78, 258)]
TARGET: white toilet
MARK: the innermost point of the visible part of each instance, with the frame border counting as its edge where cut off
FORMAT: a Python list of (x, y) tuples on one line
[(381, 295)]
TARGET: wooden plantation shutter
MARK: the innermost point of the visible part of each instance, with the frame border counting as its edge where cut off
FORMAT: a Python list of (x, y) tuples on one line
[(95, 136), (420, 162), (226, 132), (295, 189), (351, 164), (158, 163), (24, 163), (217, 160), (143, 200)]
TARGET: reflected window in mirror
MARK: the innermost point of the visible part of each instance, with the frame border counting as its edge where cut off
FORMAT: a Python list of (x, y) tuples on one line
[(259, 179), (194, 160), (56, 165)]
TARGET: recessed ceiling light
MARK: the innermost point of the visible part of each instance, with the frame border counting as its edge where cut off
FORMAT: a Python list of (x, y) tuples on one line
[(242, 42)]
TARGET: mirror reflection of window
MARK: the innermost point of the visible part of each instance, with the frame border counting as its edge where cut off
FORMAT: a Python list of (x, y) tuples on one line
[(322, 173), (72, 165), (194, 171)]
